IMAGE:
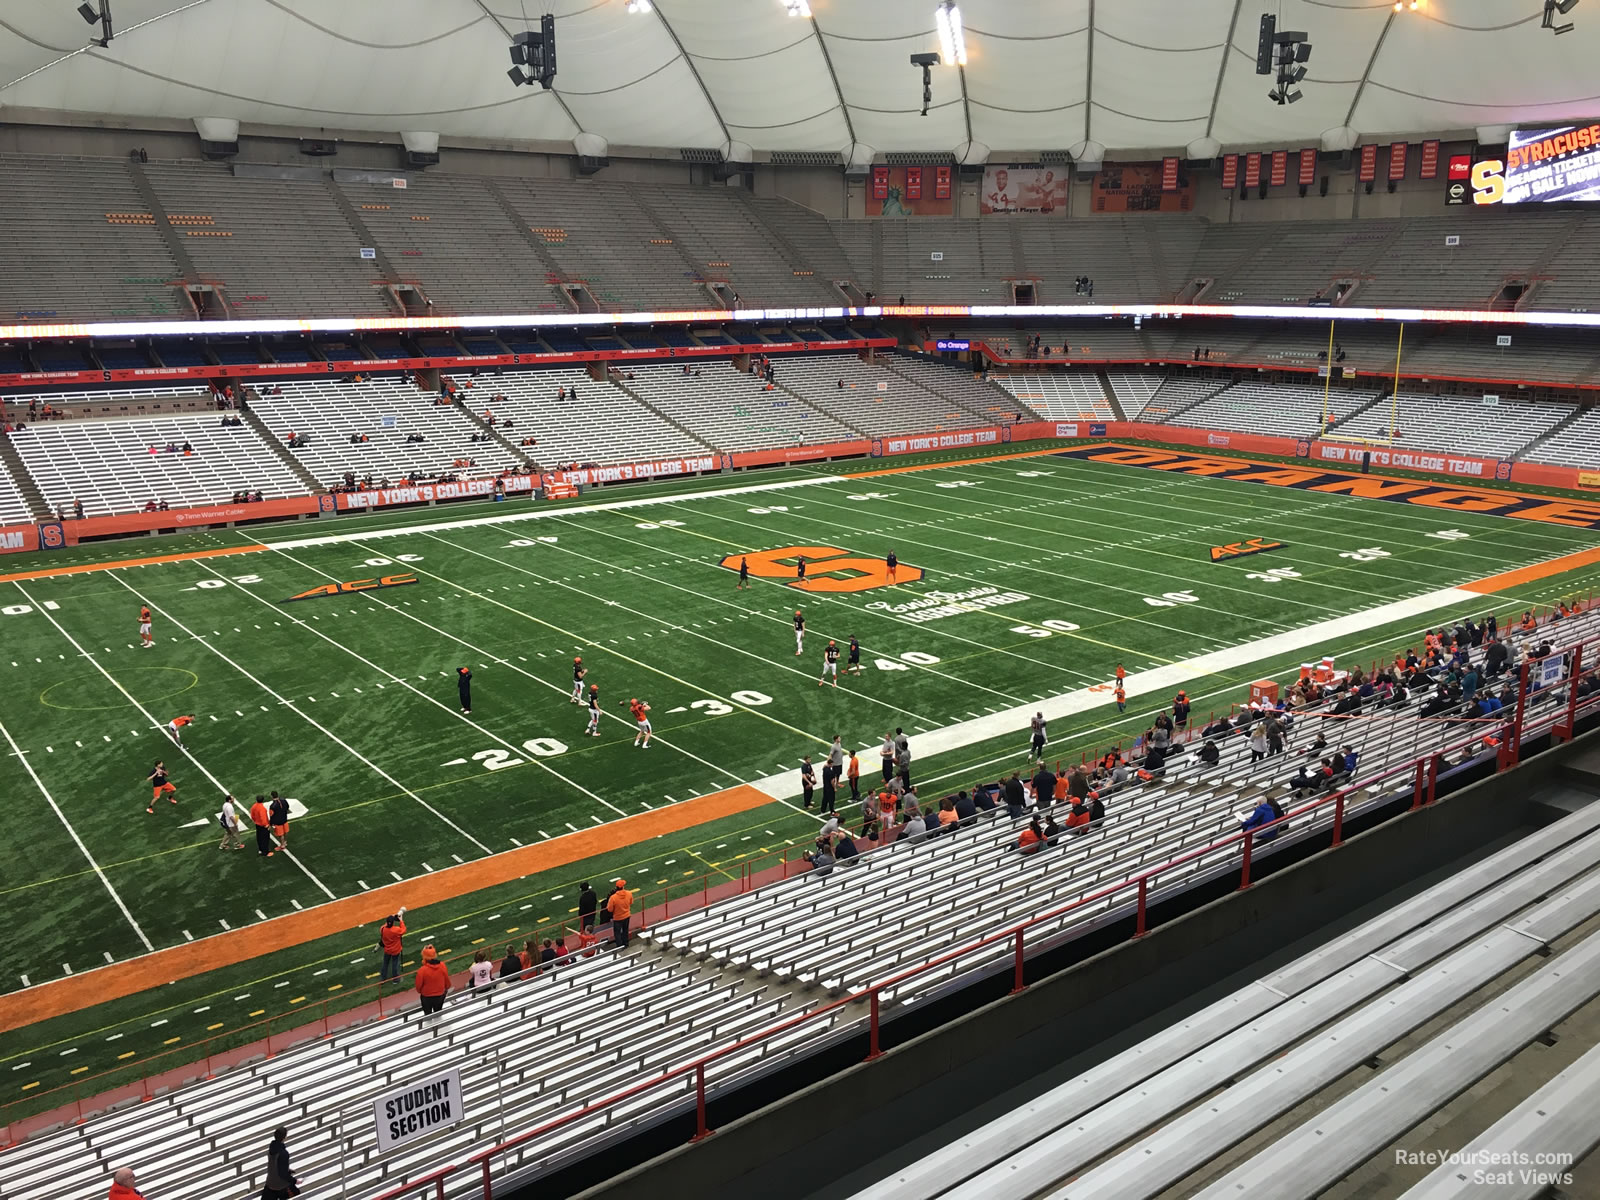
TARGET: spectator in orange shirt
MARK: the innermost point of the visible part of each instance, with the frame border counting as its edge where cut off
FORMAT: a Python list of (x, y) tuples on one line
[(620, 905), (389, 941), (1032, 839), (122, 1186), (433, 981)]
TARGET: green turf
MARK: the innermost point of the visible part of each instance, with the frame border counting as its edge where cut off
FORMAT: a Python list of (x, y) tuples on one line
[(348, 703)]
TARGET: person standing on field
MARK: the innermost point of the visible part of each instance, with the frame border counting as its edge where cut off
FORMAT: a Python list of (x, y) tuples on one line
[(744, 574), (228, 818), (160, 785), (854, 775), (464, 688), (808, 779), (262, 821), (278, 818), (433, 981), (1039, 735), (390, 942), (886, 752)]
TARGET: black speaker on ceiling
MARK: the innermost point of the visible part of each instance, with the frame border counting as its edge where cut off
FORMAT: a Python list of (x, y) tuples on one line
[(318, 147), (1269, 30)]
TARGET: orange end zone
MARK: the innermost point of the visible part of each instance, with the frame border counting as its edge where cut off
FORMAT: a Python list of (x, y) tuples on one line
[(86, 568), (1507, 580), (70, 994)]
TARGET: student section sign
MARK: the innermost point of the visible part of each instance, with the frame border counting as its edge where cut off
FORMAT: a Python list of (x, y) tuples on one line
[(422, 1107)]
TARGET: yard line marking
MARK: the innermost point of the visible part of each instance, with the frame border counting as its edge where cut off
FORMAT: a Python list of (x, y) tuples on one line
[(73, 833), (187, 936), (328, 733), (513, 747)]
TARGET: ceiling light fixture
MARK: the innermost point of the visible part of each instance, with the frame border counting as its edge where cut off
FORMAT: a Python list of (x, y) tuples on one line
[(638, 6), (952, 38), (101, 18), (796, 8), (1551, 8), (927, 62)]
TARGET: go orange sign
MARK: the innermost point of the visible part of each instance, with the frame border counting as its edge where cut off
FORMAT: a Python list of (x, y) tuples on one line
[(828, 569)]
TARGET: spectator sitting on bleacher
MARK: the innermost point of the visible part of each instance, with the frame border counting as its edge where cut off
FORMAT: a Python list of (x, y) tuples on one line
[(151, 506), (77, 509), (966, 811), (122, 1185), (1220, 727), (821, 860), (1031, 840), (1155, 761), (1209, 754), (1265, 813)]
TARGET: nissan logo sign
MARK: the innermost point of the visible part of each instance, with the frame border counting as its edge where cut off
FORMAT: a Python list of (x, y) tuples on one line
[(1456, 193)]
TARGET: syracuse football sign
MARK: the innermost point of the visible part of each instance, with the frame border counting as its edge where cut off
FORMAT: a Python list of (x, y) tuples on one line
[(828, 569)]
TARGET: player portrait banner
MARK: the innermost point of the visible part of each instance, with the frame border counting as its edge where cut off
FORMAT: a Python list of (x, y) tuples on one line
[(941, 183), (1230, 172), (1308, 166), (904, 195), (1008, 189), (1428, 160), (1138, 187), (1367, 169), (1280, 168), (1252, 170), (1169, 173), (1397, 161)]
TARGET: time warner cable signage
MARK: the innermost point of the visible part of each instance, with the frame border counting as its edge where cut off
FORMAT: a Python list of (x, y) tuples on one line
[(418, 1109)]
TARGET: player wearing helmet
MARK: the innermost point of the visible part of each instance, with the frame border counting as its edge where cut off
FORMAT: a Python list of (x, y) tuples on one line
[(799, 633), (641, 714), (578, 672)]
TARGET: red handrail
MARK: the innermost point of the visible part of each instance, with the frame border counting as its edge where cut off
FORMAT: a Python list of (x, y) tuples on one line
[(1424, 768)]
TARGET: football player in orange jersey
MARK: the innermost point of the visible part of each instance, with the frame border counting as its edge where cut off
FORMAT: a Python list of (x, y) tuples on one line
[(146, 641), (641, 714)]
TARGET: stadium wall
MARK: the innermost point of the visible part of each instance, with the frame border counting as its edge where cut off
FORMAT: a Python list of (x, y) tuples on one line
[(997, 439), (1067, 1021)]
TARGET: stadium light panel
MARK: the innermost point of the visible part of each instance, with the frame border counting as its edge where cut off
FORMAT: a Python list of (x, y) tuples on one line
[(952, 37), (796, 8), (638, 6)]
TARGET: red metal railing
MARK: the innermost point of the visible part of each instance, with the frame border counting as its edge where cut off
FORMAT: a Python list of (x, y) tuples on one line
[(1424, 772)]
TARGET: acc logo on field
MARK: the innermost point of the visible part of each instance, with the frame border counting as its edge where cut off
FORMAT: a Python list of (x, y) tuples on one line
[(824, 565), (355, 585), (1240, 549)]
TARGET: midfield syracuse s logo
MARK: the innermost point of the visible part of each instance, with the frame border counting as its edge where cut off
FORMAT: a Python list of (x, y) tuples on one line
[(1240, 549), (355, 585), (828, 569)]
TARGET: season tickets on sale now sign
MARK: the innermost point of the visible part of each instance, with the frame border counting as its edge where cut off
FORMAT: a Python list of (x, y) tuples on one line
[(1542, 166)]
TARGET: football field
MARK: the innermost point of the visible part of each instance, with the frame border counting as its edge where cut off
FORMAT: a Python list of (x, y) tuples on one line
[(322, 660)]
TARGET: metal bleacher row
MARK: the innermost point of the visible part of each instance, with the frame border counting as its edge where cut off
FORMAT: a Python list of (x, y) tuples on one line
[(731, 409), (709, 979), (835, 936), (119, 466), (1260, 1051)]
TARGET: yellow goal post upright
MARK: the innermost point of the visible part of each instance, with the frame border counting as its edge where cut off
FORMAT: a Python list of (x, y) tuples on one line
[(1387, 440)]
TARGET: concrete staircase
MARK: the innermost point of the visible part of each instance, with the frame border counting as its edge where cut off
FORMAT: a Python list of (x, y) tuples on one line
[(622, 387), (493, 431), (1565, 421), (180, 252), (254, 421), (26, 487), (797, 398), (1110, 393)]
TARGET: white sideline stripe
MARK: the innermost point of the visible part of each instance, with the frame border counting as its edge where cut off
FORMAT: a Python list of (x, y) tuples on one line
[(155, 724), (1159, 680), (333, 539), (73, 834)]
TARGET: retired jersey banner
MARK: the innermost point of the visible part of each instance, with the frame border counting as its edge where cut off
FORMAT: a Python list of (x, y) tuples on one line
[(1308, 167), (1252, 170), (1428, 161), (1230, 172), (1397, 161), (941, 183), (1368, 170), (904, 196), (880, 183), (1169, 174), (1280, 168), (1023, 190)]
